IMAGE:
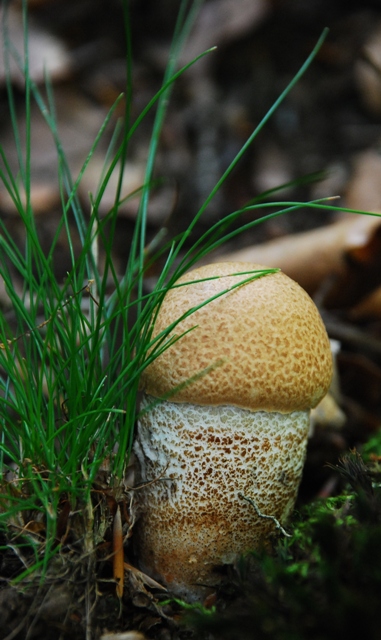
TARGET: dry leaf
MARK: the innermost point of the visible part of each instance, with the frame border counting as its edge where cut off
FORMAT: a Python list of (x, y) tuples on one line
[(368, 72), (221, 21), (133, 179), (307, 257), (364, 188), (144, 578), (343, 258), (327, 414), (46, 52), (79, 122), (272, 168), (368, 308)]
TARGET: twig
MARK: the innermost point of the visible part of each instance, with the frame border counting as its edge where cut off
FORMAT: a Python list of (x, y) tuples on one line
[(262, 515), (118, 558)]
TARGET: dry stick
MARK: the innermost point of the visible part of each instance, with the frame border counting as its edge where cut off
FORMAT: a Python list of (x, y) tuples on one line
[(143, 485), (347, 333), (118, 558), (262, 515)]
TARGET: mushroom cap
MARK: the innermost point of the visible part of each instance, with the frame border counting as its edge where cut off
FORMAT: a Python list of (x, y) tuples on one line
[(264, 343)]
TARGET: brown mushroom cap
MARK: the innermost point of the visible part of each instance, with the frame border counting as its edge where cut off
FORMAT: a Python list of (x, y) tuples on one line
[(268, 333)]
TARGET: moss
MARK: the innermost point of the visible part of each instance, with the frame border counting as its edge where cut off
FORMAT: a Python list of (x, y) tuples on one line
[(321, 583)]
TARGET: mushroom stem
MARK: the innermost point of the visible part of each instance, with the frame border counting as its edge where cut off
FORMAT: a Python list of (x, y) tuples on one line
[(193, 519)]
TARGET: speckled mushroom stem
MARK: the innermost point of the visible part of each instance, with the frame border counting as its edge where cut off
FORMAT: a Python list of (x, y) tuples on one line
[(198, 461)]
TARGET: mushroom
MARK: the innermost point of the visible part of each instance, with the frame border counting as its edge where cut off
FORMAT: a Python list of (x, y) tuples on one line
[(220, 460)]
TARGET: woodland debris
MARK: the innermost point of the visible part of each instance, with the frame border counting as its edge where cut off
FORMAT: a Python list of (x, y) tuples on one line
[(123, 635), (368, 72), (221, 21), (79, 123), (47, 54), (340, 261), (363, 190)]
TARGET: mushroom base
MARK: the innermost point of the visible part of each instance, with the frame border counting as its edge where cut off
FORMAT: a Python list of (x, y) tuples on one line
[(199, 462)]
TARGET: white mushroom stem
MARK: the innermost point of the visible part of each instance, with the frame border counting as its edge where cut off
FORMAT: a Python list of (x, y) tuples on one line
[(201, 461)]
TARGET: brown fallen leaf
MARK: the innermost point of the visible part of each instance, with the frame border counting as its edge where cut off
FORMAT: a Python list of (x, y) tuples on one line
[(144, 578), (327, 414), (341, 260), (368, 308), (133, 179), (78, 123), (363, 191), (367, 71), (221, 21), (46, 52)]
